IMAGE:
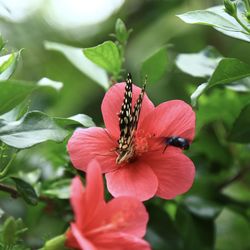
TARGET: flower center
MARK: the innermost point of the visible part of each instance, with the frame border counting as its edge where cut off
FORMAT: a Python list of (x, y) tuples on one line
[(138, 146)]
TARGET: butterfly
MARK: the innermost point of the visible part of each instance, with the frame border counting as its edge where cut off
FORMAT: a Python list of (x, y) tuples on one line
[(128, 122)]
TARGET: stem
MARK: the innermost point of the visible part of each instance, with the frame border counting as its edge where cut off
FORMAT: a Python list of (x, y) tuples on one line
[(4, 172), (14, 193), (8, 189), (247, 4), (241, 24)]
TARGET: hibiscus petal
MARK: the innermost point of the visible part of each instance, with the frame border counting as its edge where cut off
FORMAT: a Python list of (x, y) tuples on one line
[(89, 203), (94, 196), (111, 106), (128, 215), (120, 241), (134, 179), (92, 143), (172, 118), (81, 240), (174, 170)]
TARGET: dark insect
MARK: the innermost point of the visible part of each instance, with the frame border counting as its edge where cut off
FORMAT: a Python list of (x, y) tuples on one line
[(128, 122), (178, 142)]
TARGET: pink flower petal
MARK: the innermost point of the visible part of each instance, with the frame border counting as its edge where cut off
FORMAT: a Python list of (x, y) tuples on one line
[(172, 118), (134, 179), (94, 196), (78, 201), (128, 215), (120, 241), (174, 170), (88, 203), (81, 240), (92, 143), (111, 106)]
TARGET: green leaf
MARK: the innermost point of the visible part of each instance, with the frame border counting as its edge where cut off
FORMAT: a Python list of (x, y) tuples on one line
[(59, 189), (56, 243), (105, 55), (240, 131), (235, 226), (82, 119), (50, 83), (201, 64), (81, 62), (8, 65), (162, 233), (13, 92), (26, 191), (217, 18), (210, 18), (197, 233), (238, 191), (9, 232), (35, 127), (155, 66), (121, 32), (202, 207), (227, 71)]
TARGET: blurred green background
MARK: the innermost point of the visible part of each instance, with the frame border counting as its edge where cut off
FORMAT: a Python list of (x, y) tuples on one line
[(215, 214)]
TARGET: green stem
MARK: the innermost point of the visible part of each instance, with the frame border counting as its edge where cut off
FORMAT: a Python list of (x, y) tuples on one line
[(241, 24), (247, 4), (4, 172)]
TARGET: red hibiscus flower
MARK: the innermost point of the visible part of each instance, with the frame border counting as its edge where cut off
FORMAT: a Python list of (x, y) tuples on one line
[(151, 167), (118, 225)]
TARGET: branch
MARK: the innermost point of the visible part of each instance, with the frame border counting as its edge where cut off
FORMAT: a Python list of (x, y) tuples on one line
[(14, 193)]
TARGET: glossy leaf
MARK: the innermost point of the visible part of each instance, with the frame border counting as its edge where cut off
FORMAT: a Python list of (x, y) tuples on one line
[(81, 62), (202, 207), (13, 92), (201, 64), (228, 70), (59, 189), (200, 230), (105, 55), (50, 83), (35, 127), (238, 190), (155, 66), (217, 18), (241, 128), (162, 232), (8, 64), (26, 191), (235, 226), (79, 119)]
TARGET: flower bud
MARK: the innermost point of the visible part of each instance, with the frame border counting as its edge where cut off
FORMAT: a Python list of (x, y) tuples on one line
[(230, 7), (121, 31)]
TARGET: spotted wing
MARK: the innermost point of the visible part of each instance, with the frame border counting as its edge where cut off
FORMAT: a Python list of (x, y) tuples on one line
[(125, 116), (137, 109)]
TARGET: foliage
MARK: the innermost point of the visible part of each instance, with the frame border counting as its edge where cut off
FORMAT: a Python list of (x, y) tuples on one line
[(212, 74)]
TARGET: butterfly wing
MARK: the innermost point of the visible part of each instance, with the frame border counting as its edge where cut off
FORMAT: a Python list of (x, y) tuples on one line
[(125, 116)]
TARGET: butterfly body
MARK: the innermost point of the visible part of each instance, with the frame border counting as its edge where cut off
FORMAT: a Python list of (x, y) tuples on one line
[(128, 122)]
